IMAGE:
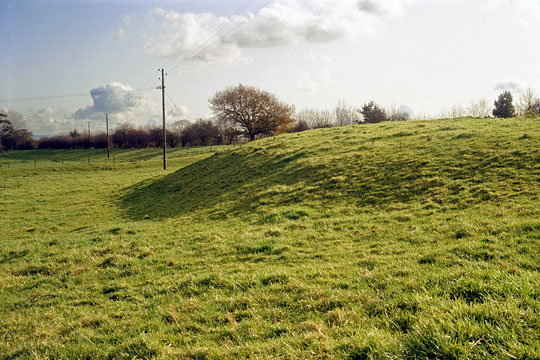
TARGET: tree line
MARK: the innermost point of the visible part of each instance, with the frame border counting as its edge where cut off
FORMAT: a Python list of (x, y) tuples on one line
[(126, 136), (244, 113), (13, 135)]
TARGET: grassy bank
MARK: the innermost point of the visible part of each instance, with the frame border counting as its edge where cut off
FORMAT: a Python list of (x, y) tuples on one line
[(399, 240)]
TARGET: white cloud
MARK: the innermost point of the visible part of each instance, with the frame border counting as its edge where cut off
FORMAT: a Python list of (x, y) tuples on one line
[(312, 82), (382, 7), (282, 23), (123, 103), (510, 85), (49, 121), (120, 34), (407, 109), (523, 7), (178, 112), (126, 19)]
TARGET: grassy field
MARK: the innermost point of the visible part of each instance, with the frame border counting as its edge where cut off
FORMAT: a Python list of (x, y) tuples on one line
[(410, 240), (78, 157)]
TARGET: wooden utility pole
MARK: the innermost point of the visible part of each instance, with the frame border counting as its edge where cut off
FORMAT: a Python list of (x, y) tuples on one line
[(107, 126), (162, 87)]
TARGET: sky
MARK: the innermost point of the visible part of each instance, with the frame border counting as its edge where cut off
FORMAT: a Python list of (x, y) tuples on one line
[(68, 62)]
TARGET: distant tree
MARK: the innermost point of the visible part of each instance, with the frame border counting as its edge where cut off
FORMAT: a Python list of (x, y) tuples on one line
[(346, 114), (535, 108), (12, 138), (74, 133), (24, 139), (316, 119), (504, 107), (395, 114), (373, 113), (228, 134), (99, 140), (399, 116), (479, 109), (173, 139), (155, 136), (253, 111), (300, 125), (526, 101), (454, 112), (126, 136), (200, 133), (5, 129), (179, 125), (16, 119)]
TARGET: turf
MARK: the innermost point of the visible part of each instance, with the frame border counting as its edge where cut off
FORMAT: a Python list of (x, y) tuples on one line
[(405, 240)]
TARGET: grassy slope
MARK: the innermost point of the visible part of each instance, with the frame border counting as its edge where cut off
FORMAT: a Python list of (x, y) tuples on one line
[(399, 240)]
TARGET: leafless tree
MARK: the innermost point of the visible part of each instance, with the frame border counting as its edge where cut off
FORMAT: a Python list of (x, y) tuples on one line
[(526, 101), (453, 112), (315, 119), (347, 115), (16, 119), (179, 125), (480, 109), (253, 111), (394, 114)]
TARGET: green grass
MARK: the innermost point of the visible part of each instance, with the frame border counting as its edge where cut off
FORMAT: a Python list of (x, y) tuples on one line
[(406, 240), (78, 157)]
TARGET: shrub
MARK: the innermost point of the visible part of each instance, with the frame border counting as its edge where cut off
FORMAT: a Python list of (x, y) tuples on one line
[(373, 113), (504, 107)]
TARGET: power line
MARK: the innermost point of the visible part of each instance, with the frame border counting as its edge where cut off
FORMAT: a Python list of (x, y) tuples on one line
[(198, 49), (170, 98), (44, 97), (215, 32), (209, 40), (151, 80), (223, 35), (48, 97)]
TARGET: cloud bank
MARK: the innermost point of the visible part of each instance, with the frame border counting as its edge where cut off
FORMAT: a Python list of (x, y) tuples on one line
[(510, 85), (207, 38), (122, 101)]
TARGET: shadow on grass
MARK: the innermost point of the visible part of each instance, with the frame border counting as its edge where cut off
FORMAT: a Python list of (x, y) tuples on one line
[(231, 182), (244, 181), (266, 175)]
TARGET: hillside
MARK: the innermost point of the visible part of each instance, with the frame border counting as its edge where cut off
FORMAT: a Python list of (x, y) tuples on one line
[(437, 165), (404, 240)]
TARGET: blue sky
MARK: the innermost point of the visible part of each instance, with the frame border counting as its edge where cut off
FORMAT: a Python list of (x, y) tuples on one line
[(426, 54)]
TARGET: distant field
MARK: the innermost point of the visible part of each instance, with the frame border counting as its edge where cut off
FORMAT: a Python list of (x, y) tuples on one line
[(408, 240), (54, 158)]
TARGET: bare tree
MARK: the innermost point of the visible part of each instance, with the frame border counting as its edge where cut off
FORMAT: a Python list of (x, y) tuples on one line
[(479, 109), (526, 101), (16, 119), (535, 108), (315, 119), (253, 111), (179, 125), (347, 115), (394, 114), (453, 112)]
